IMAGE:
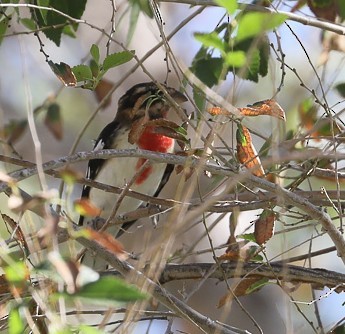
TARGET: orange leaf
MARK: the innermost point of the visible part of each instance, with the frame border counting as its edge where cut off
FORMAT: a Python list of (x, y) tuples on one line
[(246, 152), (101, 91), (108, 242), (216, 111), (86, 208), (264, 227), (266, 107)]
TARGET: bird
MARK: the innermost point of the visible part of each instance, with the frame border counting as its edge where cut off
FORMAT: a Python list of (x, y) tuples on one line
[(142, 103)]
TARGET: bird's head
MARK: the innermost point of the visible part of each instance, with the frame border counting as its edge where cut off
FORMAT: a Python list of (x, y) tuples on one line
[(146, 99)]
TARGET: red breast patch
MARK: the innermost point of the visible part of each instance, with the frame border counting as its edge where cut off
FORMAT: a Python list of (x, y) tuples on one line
[(153, 142)]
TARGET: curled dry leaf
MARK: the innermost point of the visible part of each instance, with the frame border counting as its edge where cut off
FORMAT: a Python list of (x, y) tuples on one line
[(264, 227), (137, 129), (241, 289), (246, 152), (265, 107), (64, 73), (17, 231), (101, 91), (86, 208), (68, 270), (107, 241)]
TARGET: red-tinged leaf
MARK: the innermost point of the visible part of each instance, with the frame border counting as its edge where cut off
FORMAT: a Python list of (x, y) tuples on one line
[(264, 227), (307, 112), (107, 241), (53, 121), (13, 130), (64, 73), (241, 289), (246, 152), (324, 9), (85, 208), (101, 91), (266, 107), (15, 227), (216, 111)]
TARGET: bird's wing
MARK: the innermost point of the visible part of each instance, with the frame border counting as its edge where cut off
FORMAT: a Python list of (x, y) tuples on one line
[(104, 141)]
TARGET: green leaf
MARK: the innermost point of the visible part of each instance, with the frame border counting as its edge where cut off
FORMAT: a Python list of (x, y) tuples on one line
[(240, 137), (28, 23), (133, 20), (199, 98), (69, 31), (208, 70), (341, 89), (144, 6), (210, 40), (341, 9), (94, 51), (117, 59), (254, 24), (85, 329), (247, 236), (229, 5), (43, 12), (53, 121), (15, 322), (3, 27), (16, 273), (82, 72), (50, 18), (107, 291), (235, 58), (257, 285)]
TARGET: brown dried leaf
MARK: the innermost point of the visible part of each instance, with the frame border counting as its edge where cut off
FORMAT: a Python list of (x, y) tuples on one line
[(53, 121), (64, 73), (246, 152), (264, 227), (266, 107), (101, 91), (136, 130), (107, 241), (4, 286), (324, 9), (16, 230), (86, 208)]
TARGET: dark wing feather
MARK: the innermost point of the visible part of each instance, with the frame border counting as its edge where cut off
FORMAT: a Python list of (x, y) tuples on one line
[(104, 141)]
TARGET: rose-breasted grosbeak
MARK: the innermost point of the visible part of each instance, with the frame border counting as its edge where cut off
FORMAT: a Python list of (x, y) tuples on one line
[(143, 102)]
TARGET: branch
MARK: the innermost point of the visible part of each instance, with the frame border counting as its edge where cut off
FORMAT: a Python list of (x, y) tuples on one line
[(318, 278), (175, 305), (336, 28), (285, 195)]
